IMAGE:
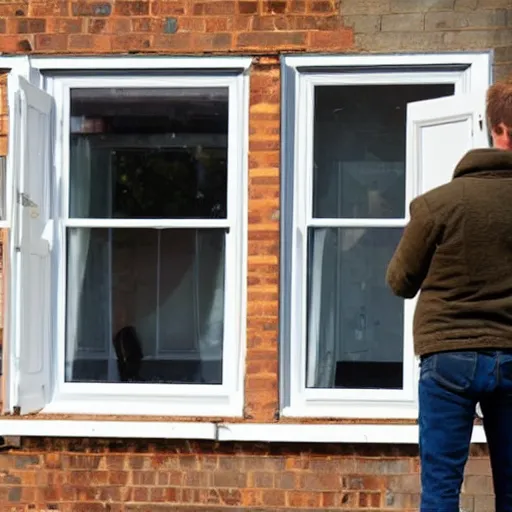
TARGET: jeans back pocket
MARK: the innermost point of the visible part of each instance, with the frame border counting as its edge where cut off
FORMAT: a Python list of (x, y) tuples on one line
[(454, 371)]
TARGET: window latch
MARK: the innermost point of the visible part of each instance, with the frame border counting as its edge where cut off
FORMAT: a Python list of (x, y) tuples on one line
[(24, 200), (481, 122)]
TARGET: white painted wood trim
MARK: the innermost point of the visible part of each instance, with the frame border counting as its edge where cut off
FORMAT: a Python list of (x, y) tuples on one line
[(108, 429), (320, 222), (470, 73), (20, 64), (202, 223), (393, 60), (188, 400), (251, 432), (200, 406), (296, 433), (143, 62)]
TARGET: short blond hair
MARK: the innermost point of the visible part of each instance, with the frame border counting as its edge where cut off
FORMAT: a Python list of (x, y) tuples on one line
[(499, 105)]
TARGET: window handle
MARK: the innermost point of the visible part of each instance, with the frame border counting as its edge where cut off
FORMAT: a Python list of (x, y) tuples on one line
[(24, 200)]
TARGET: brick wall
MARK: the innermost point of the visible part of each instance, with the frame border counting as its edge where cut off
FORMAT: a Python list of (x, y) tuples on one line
[(433, 25), (114, 476), (135, 476), (177, 26)]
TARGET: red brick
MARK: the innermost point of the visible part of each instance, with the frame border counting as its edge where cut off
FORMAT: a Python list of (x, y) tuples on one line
[(89, 42), (248, 7), (140, 494), (323, 6), (216, 24), (192, 24), (48, 8), (168, 7), (314, 22), (86, 8), (65, 25), (340, 40), (173, 42), (121, 26), (31, 26), (243, 23), (98, 25), (131, 8), (297, 6), (118, 477), (304, 499), (146, 24), (131, 42), (274, 6), (144, 477), (274, 498), (212, 42), (270, 23), (12, 9), (274, 40)]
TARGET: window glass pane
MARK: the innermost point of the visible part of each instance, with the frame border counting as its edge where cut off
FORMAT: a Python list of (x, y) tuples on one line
[(355, 325), (148, 153), (359, 148), (145, 305)]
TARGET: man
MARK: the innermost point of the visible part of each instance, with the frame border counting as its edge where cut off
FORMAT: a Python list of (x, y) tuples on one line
[(457, 251)]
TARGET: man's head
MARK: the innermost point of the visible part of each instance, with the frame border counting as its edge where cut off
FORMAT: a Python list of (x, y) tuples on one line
[(499, 114)]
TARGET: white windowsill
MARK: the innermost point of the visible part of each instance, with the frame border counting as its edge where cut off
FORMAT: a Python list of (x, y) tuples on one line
[(332, 433), (261, 432), (108, 429)]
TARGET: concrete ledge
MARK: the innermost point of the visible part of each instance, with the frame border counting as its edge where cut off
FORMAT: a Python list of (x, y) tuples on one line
[(251, 432)]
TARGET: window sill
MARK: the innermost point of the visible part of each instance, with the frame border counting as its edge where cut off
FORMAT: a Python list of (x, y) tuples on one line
[(205, 406), (251, 432), (352, 409), (332, 433), (107, 429)]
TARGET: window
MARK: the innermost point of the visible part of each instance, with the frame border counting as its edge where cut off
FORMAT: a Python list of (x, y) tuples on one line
[(363, 136), (136, 204)]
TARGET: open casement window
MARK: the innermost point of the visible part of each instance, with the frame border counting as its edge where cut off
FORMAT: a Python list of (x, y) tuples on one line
[(366, 144), (29, 322), (143, 276)]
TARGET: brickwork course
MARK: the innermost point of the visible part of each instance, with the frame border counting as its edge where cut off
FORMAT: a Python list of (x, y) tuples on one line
[(115, 476), (109, 475)]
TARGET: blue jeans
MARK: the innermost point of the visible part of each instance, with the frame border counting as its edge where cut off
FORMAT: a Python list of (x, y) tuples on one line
[(451, 384)]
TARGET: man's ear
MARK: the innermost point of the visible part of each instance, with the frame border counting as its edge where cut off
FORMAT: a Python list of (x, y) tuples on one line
[(498, 129), (501, 136)]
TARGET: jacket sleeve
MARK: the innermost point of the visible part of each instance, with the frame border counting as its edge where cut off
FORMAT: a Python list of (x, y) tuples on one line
[(411, 261)]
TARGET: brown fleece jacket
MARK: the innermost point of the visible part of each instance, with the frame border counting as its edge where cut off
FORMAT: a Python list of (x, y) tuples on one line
[(457, 249)]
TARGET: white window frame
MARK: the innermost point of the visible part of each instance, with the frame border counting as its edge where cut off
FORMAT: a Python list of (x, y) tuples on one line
[(469, 73), (146, 72), (21, 66)]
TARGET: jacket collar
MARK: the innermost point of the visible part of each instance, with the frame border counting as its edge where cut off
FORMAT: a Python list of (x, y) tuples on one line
[(485, 163)]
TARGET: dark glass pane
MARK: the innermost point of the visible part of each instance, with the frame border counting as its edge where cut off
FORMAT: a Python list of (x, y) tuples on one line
[(145, 305), (359, 148), (355, 325), (148, 153)]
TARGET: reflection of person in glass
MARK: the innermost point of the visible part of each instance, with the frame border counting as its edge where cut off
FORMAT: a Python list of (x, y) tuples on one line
[(457, 251)]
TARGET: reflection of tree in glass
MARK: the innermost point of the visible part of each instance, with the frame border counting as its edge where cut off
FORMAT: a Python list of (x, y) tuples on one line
[(170, 183)]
